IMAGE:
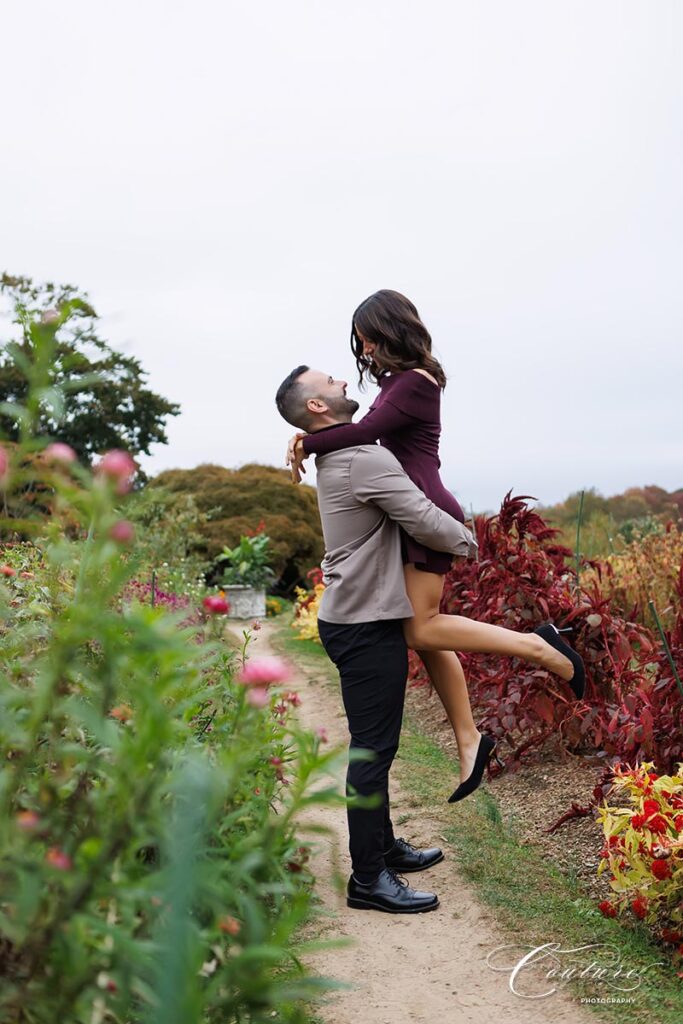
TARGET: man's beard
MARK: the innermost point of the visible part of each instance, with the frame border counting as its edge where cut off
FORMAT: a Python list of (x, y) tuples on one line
[(342, 407)]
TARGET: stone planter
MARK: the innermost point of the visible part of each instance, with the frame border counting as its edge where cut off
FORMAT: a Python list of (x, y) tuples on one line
[(245, 602)]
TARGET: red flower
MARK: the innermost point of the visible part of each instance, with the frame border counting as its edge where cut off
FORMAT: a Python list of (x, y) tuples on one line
[(58, 859), (661, 869), (607, 908), (657, 824), (650, 807), (678, 822), (122, 712), (28, 821), (671, 935), (637, 820), (639, 906), (7, 570), (216, 605), (229, 925), (123, 532)]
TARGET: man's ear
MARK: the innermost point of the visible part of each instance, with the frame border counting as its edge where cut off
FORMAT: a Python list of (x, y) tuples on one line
[(316, 405)]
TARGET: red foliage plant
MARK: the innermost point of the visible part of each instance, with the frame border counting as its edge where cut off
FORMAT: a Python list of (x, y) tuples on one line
[(632, 706)]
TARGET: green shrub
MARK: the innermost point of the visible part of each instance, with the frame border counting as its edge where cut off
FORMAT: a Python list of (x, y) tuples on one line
[(235, 500), (248, 563)]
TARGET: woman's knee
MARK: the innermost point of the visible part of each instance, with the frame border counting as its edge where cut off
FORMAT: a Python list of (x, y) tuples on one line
[(417, 631)]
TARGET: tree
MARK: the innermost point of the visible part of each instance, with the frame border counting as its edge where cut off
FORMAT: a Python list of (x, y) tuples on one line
[(105, 402), (235, 501)]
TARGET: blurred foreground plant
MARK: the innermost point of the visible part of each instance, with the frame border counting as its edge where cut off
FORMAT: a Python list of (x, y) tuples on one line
[(150, 867)]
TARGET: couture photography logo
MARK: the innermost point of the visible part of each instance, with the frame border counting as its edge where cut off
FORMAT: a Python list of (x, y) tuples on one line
[(536, 972)]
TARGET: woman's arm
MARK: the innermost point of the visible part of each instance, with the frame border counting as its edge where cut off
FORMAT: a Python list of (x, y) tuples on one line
[(385, 419)]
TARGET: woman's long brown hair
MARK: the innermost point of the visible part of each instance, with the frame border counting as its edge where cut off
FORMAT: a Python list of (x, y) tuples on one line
[(402, 342)]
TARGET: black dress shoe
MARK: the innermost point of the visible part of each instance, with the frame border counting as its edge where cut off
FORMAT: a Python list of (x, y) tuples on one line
[(404, 856), (551, 634), (486, 748), (389, 893)]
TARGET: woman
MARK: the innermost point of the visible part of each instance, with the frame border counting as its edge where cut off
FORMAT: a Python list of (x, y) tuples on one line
[(393, 348)]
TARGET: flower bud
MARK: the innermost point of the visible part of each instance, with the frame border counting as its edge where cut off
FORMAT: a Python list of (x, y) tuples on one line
[(59, 452)]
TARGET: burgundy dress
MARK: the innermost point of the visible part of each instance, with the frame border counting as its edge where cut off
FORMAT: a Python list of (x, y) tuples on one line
[(405, 418)]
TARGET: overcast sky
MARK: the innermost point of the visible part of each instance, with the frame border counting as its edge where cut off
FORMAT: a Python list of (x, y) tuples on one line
[(229, 180)]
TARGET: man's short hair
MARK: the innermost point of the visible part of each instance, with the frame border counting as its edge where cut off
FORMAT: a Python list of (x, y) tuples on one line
[(291, 400)]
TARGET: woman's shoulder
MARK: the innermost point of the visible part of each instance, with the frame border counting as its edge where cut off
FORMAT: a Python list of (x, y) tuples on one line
[(409, 380), (426, 374)]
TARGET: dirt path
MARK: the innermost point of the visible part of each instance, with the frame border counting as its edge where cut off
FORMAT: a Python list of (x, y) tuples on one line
[(428, 967)]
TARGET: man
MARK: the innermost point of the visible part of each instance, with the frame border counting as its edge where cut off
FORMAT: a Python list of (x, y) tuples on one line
[(364, 496)]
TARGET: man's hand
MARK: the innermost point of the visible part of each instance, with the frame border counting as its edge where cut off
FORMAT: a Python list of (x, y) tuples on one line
[(295, 457)]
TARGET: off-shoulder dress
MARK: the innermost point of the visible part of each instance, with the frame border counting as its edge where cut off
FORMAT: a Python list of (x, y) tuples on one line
[(405, 418)]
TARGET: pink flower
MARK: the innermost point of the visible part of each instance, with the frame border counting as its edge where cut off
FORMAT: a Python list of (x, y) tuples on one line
[(257, 696), (58, 859), (49, 316), (28, 821), (293, 698), (7, 570), (256, 626), (118, 466), (123, 532), (263, 671), (59, 452), (280, 709), (216, 604), (321, 733)]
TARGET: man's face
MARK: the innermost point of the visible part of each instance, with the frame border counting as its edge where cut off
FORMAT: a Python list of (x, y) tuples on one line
[(327, 396)]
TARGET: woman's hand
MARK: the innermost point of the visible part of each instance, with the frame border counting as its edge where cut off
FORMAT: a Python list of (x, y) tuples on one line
[(295, 457)]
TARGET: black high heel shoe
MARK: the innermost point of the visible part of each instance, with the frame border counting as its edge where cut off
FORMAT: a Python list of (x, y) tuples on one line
[(551, 634), (486, 748)]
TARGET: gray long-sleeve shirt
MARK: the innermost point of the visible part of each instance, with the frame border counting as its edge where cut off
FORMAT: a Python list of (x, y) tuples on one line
[(363, 495)]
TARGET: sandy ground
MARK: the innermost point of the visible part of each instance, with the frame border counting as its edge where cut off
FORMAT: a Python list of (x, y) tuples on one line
[(407, 967)]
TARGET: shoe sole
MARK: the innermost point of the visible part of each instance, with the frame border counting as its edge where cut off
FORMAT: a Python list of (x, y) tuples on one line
[(365, 905), (423, 867)]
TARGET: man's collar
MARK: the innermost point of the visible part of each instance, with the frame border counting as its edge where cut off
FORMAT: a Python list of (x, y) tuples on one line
[(330, 426)]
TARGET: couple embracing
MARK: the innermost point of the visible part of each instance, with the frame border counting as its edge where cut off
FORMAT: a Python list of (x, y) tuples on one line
[(392, 531)]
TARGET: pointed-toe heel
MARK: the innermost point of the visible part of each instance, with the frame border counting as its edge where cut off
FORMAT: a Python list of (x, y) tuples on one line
[(551, 634), (486, 748)]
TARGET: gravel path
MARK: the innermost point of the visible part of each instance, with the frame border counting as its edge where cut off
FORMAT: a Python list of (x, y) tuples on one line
[(428, 967)]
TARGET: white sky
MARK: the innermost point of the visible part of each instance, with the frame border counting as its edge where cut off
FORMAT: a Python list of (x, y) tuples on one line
[(229, 180)]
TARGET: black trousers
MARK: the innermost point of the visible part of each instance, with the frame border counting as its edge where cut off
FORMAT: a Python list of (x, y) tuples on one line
[(372, 659)]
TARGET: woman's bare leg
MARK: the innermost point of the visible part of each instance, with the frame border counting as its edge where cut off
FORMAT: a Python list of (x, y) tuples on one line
[(429, 630), (446, 673)]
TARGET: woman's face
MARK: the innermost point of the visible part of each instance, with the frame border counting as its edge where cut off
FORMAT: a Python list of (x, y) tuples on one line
[(368, 346)]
